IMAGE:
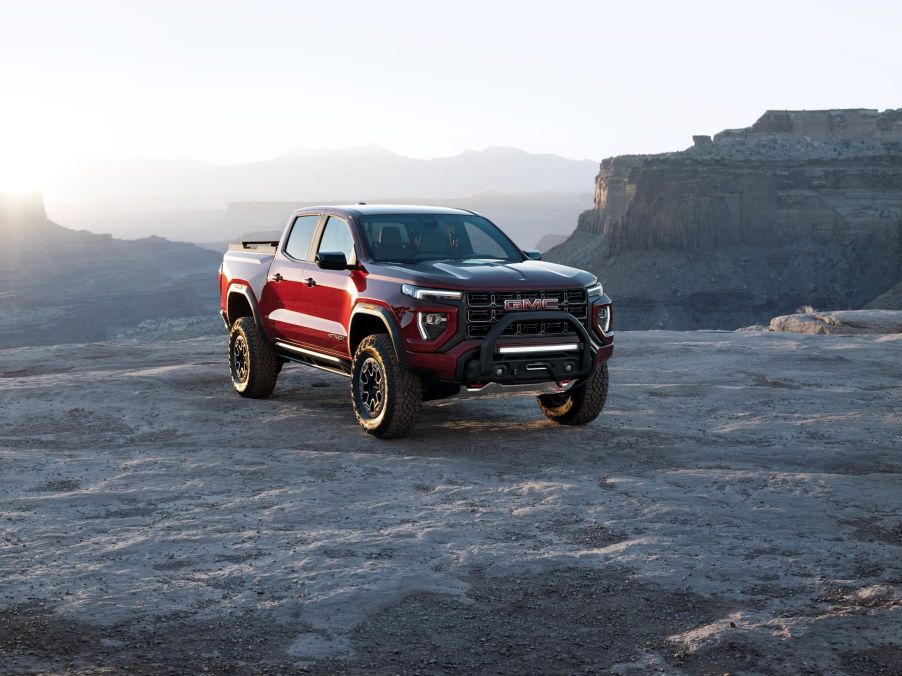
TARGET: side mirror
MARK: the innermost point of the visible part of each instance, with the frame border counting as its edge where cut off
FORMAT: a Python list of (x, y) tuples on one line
[(533, 254), (331, 260)]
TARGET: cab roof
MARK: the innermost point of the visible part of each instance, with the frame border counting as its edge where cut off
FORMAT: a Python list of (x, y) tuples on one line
[(385, 209)]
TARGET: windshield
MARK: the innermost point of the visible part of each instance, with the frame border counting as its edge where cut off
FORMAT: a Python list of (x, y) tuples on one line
[(411, 238)]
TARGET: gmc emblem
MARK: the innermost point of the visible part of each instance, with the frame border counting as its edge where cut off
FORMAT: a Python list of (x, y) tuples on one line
[(537, 304)]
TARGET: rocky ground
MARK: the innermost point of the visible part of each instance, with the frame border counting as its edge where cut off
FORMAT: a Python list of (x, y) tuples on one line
[(737, 508)]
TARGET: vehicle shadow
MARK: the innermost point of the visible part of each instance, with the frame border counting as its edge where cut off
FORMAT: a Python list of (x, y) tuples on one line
[(479, 426)]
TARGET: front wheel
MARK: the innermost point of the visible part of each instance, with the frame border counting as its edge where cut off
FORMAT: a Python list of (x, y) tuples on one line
[(386, 396), (581, 404)]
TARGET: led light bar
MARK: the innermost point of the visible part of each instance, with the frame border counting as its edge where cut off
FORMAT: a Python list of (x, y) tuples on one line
[(532, 349)]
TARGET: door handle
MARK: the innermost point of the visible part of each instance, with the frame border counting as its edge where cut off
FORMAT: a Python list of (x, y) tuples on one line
[(310, 281), (277, 277)]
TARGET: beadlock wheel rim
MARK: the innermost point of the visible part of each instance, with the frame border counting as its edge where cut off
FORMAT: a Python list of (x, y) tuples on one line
[(371, 388), (240, 359)]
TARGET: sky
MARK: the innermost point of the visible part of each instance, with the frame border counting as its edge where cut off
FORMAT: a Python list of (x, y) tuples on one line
[(232, 82)]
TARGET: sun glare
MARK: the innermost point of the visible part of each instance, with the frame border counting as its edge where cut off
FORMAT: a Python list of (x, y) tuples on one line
[(19, 175)]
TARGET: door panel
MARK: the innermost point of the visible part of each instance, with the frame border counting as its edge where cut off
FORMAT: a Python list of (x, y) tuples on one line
[(328, 302), (327, 305), (284, 295), (287, 296)]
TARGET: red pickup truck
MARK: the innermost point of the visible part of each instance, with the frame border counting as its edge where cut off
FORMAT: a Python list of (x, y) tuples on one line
[(413, 304)]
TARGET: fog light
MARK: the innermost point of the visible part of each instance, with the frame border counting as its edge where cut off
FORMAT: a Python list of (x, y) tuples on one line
[(568, 367), (431, 324), (500, 370)]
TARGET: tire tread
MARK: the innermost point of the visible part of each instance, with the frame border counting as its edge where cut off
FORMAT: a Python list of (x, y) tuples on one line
[(584, 402), (404, 390), (264, 362)]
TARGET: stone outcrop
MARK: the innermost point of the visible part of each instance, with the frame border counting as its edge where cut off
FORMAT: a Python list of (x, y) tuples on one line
[(62, 286), (841, 323), (803, 207)]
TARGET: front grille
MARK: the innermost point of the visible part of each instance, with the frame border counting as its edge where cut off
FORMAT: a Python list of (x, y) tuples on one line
[(486, 308)]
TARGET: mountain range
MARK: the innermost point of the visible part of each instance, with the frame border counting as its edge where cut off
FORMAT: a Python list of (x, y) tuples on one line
[(530, 195), (115, 188)]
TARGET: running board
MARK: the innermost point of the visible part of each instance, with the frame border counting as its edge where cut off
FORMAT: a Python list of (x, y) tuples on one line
[(319, 360)]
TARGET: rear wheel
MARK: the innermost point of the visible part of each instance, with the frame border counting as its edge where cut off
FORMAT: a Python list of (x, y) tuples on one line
[(581, 404), (386, 396), (253, 362)]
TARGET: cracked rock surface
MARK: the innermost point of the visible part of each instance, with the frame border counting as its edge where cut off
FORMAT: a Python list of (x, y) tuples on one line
[(736, 508)]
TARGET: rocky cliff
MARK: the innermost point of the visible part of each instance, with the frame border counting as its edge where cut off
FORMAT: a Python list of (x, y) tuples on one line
[(803, 207), (63, 286)]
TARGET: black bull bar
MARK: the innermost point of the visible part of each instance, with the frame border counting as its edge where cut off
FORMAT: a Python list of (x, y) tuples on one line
[(487, 351)]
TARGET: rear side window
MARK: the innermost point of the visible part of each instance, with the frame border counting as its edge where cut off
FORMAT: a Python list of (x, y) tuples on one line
[(299, 239), (337, 238)]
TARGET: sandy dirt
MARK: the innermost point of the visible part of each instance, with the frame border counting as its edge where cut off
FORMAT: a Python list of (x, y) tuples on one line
[(737, 508)]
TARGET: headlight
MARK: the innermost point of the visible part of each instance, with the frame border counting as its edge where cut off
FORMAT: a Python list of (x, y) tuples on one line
[(602, 319), (432, 324), (594, 291), (420, 293)]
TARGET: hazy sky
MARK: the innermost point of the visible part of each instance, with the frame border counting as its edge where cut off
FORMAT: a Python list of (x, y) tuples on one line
[(232, 82)]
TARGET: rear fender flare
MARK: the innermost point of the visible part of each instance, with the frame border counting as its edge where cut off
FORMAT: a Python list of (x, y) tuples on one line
[(245, 292)]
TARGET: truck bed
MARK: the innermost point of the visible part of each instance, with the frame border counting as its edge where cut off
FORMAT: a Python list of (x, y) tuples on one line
[(262, 246), (249, 262)]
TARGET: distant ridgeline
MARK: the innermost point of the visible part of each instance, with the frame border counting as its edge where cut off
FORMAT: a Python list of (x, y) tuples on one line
[(63, 286), (527, 218), (801, 208)]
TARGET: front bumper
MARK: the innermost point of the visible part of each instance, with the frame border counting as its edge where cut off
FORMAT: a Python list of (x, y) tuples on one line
[(510, 361)]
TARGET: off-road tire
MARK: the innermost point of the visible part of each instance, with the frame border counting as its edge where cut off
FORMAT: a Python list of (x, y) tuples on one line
[(580, 405), (401, 390), (256, 377)]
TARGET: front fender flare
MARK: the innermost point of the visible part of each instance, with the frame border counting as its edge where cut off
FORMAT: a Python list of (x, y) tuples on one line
[(390, 324)]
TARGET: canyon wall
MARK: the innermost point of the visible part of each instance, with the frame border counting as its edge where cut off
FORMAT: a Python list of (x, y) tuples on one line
[(803, 207)]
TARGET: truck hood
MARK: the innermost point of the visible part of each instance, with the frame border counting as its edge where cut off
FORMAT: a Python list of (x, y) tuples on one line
[(480, 274)]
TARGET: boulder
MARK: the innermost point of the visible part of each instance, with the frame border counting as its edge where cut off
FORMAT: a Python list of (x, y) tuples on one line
[(840, 322)]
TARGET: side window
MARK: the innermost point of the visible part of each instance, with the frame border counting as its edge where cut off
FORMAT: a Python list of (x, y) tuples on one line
[(337, 237), (301, 233)]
